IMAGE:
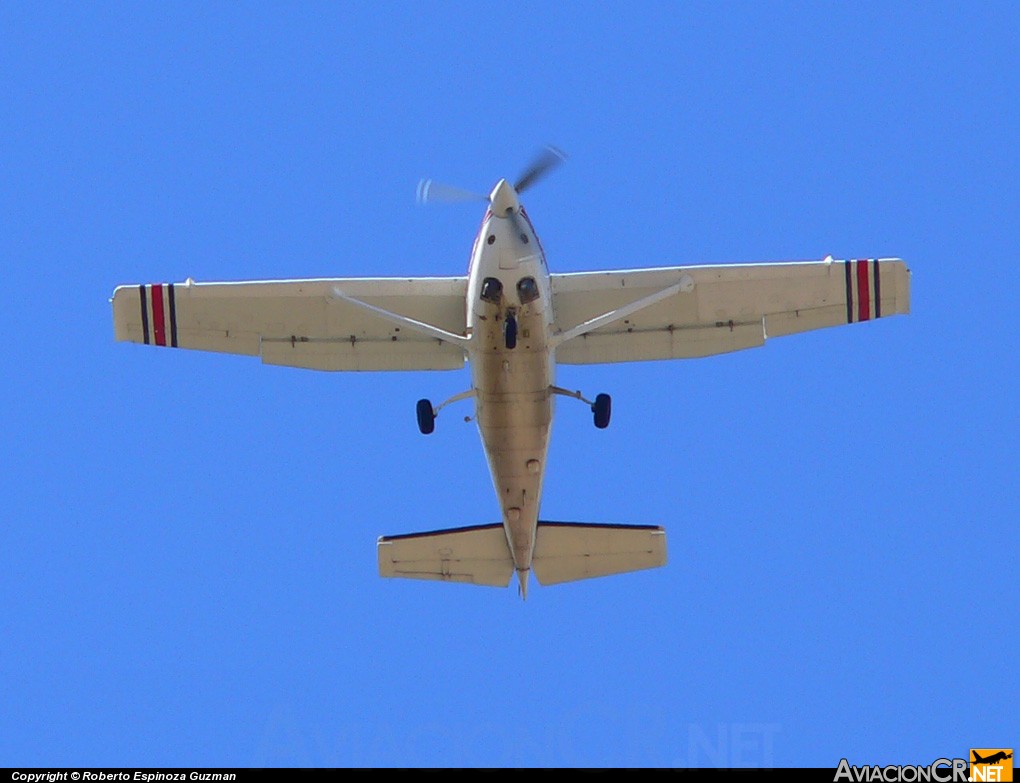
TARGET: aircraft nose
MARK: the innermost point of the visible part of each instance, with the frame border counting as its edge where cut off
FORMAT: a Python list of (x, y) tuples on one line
[(503, 199)]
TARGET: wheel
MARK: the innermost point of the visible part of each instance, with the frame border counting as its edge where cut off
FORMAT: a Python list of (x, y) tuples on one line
[(426, 418), (510, 332), (602, 409)]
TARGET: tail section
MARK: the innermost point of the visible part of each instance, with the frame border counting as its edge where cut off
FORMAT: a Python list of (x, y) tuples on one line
[(522, 583), (564, 552), (568, 551)]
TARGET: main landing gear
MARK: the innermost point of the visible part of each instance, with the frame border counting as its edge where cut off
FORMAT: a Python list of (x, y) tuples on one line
[(426, 417), (601, 408), (427, 414)]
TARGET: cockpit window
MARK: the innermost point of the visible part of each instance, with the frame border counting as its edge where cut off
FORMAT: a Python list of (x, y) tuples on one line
[(527, 290), (492, 289)]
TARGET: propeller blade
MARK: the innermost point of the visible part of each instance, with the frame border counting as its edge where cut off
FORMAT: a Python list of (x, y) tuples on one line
[(545, 161), (515, 221), (429, 190)]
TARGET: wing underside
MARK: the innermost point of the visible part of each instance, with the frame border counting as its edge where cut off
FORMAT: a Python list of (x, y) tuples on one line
[(721, 308), (300, 323)]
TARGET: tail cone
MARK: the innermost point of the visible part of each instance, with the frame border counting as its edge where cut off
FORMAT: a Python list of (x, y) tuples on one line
[(522, 583)]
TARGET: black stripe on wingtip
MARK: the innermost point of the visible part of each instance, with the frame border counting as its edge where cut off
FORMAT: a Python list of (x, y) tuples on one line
[(145, 315), (173, 316), (849, 291), (877, 266)]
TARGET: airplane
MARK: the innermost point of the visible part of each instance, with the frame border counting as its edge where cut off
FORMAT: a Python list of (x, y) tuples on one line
[(995, 758), (513, 321)]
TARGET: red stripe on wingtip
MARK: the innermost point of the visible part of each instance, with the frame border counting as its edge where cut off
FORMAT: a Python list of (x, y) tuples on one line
[(158, 321), (863, 295)]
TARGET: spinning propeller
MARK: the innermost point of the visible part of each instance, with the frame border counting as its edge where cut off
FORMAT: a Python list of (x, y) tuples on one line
[(544, 162), (431, 191)]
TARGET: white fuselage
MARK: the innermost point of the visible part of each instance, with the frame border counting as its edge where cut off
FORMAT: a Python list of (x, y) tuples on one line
[(513, 400)]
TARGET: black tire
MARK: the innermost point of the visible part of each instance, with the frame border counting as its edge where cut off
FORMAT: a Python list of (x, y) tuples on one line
[(510, 332), (426, 418), (603, 409)]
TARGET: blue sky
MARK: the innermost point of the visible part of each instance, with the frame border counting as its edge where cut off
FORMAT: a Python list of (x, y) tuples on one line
[(189, 569)]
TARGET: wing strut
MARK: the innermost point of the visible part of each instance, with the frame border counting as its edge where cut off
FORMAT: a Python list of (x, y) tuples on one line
[(418, 326), (685, 284)]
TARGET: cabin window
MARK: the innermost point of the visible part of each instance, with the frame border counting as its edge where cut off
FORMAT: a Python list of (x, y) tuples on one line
[(527, 290), (492, 289)]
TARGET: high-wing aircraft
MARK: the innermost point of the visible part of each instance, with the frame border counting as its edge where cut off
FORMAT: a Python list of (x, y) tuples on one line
[(513, 321)]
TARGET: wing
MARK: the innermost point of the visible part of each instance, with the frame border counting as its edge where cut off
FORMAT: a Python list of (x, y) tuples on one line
[(717, 309), (301, 323)]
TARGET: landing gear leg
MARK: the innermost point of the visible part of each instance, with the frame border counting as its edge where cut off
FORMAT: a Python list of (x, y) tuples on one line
[(601, 408), (427, 414)]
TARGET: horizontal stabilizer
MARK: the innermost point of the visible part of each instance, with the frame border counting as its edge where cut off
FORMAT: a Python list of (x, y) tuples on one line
[(567, 551), (476, 555)]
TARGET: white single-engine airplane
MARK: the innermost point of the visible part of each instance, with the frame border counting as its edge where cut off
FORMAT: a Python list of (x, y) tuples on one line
[(513, 321)]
